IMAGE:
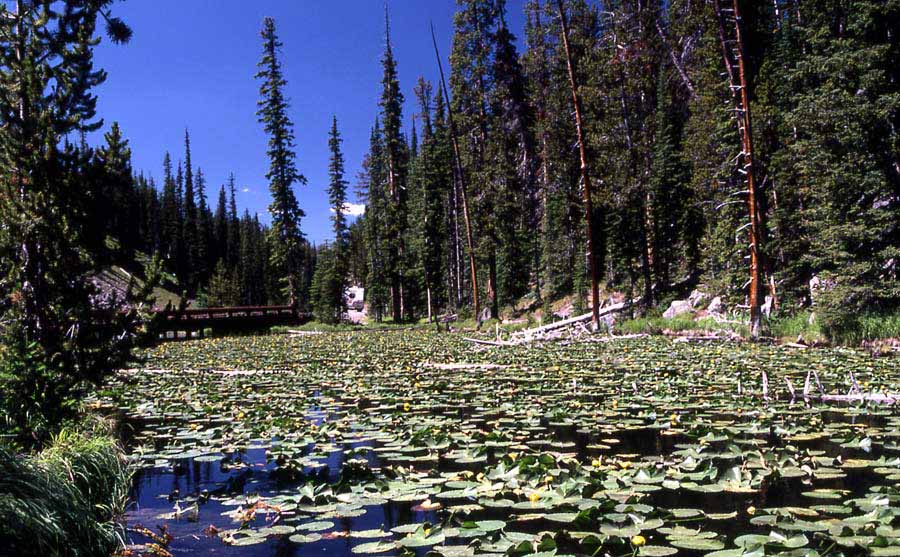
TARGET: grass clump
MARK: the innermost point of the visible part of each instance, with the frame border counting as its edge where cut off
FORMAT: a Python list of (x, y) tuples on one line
[(801, 324), (64, 500), (854, 329), (681, 323)]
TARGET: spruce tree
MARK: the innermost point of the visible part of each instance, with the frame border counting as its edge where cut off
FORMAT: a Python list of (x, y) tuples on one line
[(285, 237), (220, 228), (203, 265), (190, 223), (234, 226), (337, 197), (395, 166), (58, 336), (373, 186), (434, 177), (118, 191), (839, 171)]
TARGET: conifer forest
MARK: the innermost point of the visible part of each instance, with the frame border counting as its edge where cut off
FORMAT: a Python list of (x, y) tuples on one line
[(613, 278)]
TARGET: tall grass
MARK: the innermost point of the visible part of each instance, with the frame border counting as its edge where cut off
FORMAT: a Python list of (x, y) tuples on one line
[(855, 329), (65, 499), (799, 324), (656, 325)]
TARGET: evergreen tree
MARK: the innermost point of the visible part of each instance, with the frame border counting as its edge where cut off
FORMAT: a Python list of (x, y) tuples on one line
[(285, 238), (373, 192), (234, 226), (223, 289), (190, 224), (171, 215), (118, 191), (839, 169), (58, 336), (203, 264), (220, 229), (395, 215), (337, 197), (326, 287), (433, 174)]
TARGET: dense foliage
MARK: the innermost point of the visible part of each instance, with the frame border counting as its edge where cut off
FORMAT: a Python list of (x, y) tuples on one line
[(59, 332), (665, 161), (669, 195)]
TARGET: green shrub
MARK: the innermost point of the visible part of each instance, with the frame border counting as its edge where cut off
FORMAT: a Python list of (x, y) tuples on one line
[(65, 499)]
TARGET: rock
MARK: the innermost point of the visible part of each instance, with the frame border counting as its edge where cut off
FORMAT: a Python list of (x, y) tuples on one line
[(715, 307), (817, 286), (678, 307), (696, 297), (485, 314), (609, 319)]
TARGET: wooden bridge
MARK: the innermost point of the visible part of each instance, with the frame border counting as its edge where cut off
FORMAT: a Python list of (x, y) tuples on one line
[(171, 323)]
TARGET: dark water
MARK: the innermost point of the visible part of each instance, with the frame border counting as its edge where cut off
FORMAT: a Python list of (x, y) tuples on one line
[(156, 490), (250, 472)]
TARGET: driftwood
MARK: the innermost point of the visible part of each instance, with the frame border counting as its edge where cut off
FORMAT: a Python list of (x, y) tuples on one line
[(571, 329), (490, 342), (855, 394), (573, 320)]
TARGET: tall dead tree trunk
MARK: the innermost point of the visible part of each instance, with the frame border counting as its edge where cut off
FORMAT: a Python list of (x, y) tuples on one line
[(729, 20), (585, 174), (462, 183)]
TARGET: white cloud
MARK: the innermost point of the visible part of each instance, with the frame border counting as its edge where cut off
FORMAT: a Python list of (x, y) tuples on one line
[(353, 209), (245, 190)]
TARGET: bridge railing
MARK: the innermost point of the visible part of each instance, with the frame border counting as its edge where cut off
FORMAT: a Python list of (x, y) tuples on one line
[(226, 313)]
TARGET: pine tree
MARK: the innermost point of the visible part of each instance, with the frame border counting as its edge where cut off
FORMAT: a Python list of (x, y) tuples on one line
[(513, 164), (190, 223), (325, 287), (470, 62), (285, 237), (223, 289), (234, 226), (337, 197), (373, 191), (395, 210), (204, 232), (118, 191), (220, 229), (839, 170), (433, 172), (58, 337), (171, 215)]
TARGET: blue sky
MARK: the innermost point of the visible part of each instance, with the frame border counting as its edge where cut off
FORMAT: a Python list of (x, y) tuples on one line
[(191, 64)]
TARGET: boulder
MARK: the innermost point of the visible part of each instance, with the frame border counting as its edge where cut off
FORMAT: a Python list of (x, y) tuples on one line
[(696, 297), (715, 307), (678, 307), (817, 286)]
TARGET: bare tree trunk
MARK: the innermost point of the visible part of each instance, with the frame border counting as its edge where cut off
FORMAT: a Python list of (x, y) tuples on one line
[(733, 55), (585, 174), (688, 84), (492, 286), (462, 183)]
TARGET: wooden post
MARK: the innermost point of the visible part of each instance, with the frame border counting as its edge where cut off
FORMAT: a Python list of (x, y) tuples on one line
[(585, 174)]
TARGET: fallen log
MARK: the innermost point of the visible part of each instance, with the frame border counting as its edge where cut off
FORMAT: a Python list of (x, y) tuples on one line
[(530, 333), (489, 342)]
